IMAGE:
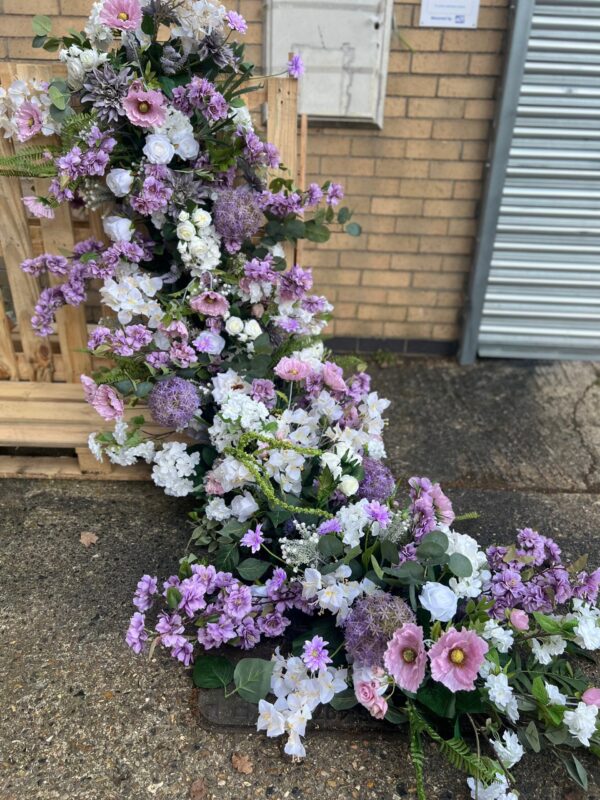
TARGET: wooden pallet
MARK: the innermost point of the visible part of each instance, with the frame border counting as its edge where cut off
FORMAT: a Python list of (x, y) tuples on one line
[(41, 399)]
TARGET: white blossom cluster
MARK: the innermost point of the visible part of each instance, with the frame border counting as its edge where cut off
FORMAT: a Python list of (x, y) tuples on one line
[(242, 507), (132, 296), (246, 332), (509, 749), (298, 694), (79, 61), (472, 586), (175, 137), (196, 19), (174, 468), (334, 592), (301, 552), (501, 693), (499, 790), (199, 243)]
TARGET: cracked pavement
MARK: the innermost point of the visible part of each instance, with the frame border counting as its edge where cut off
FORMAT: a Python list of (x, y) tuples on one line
[(84, 719)]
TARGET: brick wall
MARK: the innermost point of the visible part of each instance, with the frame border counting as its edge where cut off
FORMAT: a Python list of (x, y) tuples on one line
[(415, 185)]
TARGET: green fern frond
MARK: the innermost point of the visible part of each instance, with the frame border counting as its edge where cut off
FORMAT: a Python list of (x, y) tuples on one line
[(458, 753), (416, 751), (30, 162), (74, 126)]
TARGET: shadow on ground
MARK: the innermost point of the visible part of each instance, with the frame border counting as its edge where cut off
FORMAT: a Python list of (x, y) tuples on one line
[(82, 718)]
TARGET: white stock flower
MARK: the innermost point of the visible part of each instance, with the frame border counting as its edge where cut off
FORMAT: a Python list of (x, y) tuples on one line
[(545, 650), (495, 791), (510, 750), (501, 638), (501, 694), (217, 509), (582, 722), (120, 181), (439, 600), (173, 468), (243, 507), (348, 485), (555, 697)]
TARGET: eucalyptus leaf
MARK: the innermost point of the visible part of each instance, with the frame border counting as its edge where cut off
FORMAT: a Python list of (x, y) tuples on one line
[(41, 25), (460, 565), (330, 546), (252, 677), (577, 772), (344, 700), (353, 229), (212, 672)]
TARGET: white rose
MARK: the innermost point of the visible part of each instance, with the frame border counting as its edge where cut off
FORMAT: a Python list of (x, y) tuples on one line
[(75, 73), (234, 326), (252, 329), (439, 600), (186, 231), (118, 229), (243, 506), (201, 218), (183, 216), (348, 485), (90, 59), (158, 149), (186, 146), (119, 181), (198, 247)]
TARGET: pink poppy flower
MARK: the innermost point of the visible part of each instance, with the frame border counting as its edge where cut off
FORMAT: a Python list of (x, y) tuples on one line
[(333, 376), (212, 304), (591, 697), (292, 369), (126, 15), (103, 398), (40, 210), (146, 109), (456, 658), (28, 120), (405, 657)]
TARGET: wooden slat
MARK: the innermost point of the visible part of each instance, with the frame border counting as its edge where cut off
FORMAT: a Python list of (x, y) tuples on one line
[(8, 359), (282, 130), (65, 468), (24, 391), (302, 161)]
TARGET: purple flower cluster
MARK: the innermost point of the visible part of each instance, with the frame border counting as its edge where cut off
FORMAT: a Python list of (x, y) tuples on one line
[(156, 191), (530, 576), (200, 95), (282, 204), (173, 403), (217, 609), (237, 216), (123, 342), (57, 265), (295, 283), (76, 164), (258, 153), (378, 482), (49, 301), (429, 507)]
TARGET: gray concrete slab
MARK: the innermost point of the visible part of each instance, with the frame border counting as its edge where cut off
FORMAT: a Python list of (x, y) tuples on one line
[(82, 718)]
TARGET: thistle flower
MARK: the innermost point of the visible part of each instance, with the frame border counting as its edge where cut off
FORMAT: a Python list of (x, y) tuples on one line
[(173, 403), (371, 624)]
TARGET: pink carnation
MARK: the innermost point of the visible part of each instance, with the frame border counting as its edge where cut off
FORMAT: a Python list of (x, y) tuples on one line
[(103, 398), (212, 304), (28, 120), (405, 657), (146, 109), (292, 369), (456, 659), (126, 15), (39, 209)]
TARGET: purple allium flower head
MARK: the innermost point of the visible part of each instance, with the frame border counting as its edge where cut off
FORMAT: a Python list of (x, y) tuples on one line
[(173, 403), (253, 539), (370, 625), (237, 216), (378, 482), (315, 654), (295, 67), (136, 635), (147, 587)]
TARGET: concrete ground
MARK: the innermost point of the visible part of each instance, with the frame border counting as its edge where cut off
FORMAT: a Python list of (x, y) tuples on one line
[(81, 717)]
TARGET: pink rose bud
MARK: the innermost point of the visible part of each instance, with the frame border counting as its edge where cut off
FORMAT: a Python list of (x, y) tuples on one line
[(258, 310), (591, 697), (379, 707), (519, 620)]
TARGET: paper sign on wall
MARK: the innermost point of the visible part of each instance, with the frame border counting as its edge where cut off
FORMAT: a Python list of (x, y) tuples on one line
[(449, 13)]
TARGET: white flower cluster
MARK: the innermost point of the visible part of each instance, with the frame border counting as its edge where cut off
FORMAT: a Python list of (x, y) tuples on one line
[(499, 790), (245, 332), (298, 694), (509, 750), (548, 648), (587, 631), (243, 506), (301, 552), (79, 62), (466, 546), (368, 437), (501, 693), (354, 520), (197, 18), (174, 137), (230, 474), (582, 722), (334, 592), (132, 297), (500, 638), (199, 243), (12, 99), (173, 468), (285, 468)]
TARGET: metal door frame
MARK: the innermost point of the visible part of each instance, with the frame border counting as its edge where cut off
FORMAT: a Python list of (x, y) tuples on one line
[(521, 16)]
